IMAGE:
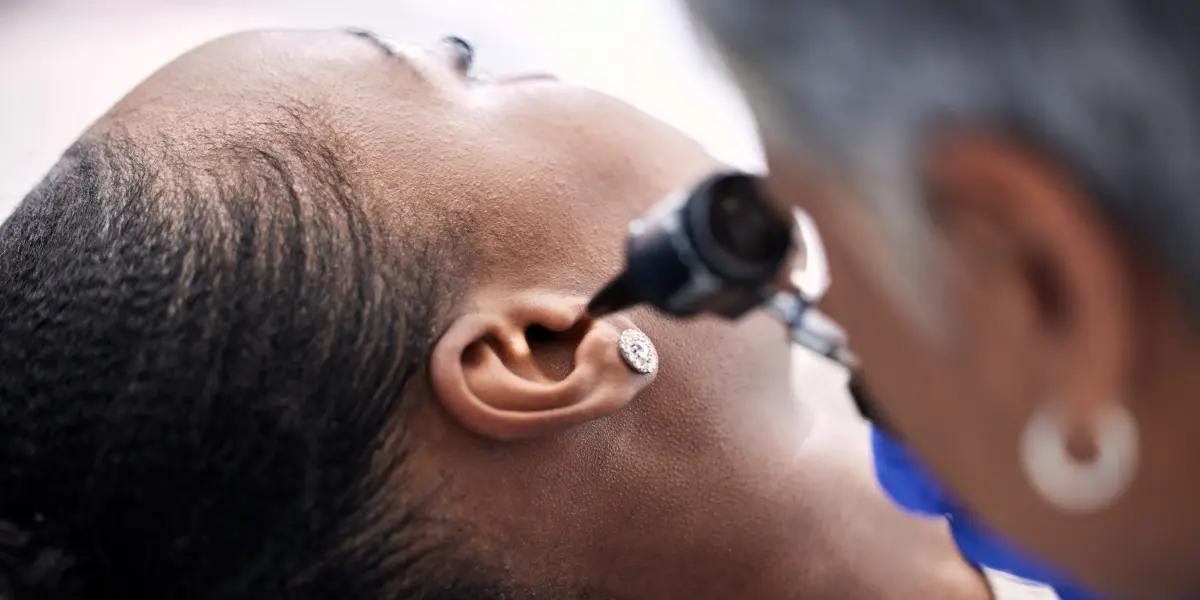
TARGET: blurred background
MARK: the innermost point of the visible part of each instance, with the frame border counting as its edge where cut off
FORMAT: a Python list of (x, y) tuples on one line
[(64, 62)]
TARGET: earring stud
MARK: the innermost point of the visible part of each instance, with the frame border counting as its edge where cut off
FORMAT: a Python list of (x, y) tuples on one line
[(638, 351)]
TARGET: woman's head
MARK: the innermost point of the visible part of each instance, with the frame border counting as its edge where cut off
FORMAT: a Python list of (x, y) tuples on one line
[(304, 311)]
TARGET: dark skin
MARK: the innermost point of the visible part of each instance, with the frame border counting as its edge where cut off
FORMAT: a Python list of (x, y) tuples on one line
[(1041, 300), (708, 480)]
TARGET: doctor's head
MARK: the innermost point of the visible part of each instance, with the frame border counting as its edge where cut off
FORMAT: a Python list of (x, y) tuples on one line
[(1007, 192)]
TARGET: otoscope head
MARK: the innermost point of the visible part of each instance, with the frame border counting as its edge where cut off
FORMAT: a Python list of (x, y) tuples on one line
[(718, 248)]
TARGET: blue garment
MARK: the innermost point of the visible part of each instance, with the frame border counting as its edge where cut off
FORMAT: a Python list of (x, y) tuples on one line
[(910, 485)]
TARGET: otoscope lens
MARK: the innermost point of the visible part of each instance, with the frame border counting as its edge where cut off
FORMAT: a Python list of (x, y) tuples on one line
[(739, 226), (735, 230)]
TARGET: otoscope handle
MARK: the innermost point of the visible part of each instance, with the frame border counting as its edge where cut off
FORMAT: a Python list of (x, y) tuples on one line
[(815, 331), (812, 329)]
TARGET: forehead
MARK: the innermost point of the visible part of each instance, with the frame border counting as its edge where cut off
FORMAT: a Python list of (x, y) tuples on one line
[(238, 81), (559, 168)]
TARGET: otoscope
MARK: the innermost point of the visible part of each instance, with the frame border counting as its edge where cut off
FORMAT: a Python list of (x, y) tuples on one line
[(722, 248)]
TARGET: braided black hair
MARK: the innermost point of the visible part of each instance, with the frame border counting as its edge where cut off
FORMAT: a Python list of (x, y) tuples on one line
[(199, 354)]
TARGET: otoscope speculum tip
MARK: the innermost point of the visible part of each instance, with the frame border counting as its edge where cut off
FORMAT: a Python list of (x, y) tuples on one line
[(615, 296)]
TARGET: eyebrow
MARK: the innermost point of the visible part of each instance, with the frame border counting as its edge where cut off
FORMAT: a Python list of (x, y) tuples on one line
[(373, 38), (391, 50)]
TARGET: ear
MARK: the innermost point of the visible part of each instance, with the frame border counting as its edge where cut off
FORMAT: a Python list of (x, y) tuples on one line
[(1040, 258), (532, 364)]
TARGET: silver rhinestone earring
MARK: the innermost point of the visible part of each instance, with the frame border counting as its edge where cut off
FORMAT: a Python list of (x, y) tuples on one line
[(638, 351)]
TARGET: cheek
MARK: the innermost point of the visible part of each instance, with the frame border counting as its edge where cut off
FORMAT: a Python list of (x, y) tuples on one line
[(572, 203), (911, 379), (623, 158), (944, 400)]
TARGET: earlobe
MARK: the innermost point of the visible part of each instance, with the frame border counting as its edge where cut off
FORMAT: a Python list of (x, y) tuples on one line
[(495, 382)]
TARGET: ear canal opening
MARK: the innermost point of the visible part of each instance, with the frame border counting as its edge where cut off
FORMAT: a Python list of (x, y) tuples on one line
[(538, 334), (554, 351)]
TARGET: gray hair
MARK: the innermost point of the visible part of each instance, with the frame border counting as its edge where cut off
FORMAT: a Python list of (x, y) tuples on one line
[(1111, 88)]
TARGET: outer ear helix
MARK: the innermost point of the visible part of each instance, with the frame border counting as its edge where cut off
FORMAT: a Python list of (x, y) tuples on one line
[(493, 399)]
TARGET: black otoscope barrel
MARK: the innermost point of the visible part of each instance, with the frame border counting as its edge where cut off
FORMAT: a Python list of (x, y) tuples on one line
[(717, 249)]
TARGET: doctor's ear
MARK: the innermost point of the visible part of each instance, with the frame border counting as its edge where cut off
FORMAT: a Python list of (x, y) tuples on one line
[(532, 364), (1044, 273)]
